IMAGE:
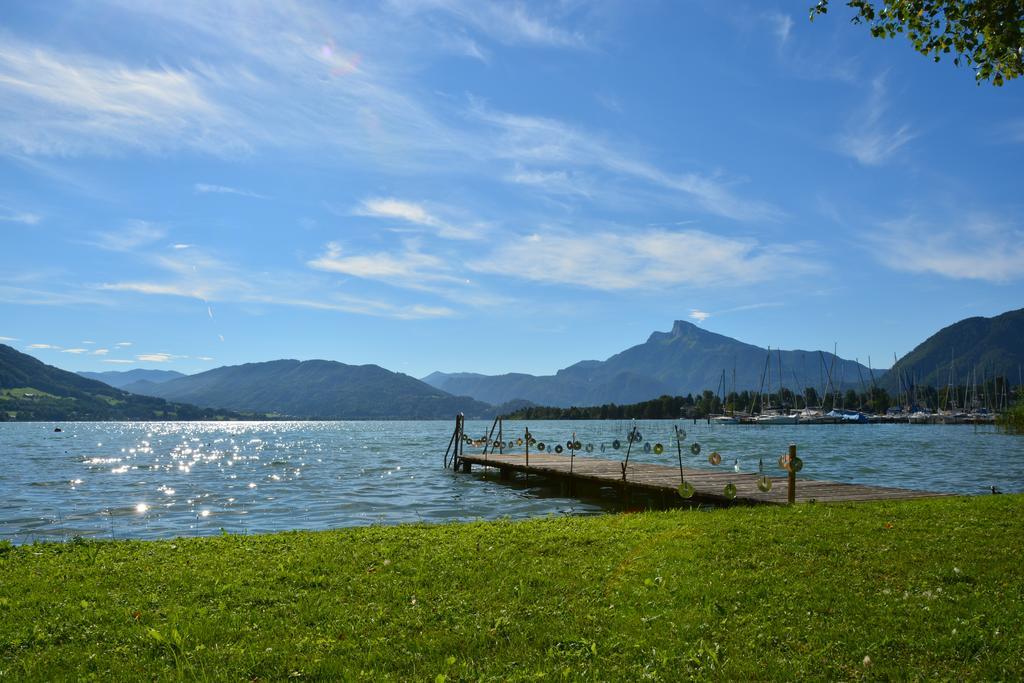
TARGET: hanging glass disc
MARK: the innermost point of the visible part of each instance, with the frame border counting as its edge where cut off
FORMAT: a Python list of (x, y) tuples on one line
[(647, 447), (695, 448), (796, 464), (715, 458), (658, 449), (764, 484), (729, 491), (685, 490), (540, 446)]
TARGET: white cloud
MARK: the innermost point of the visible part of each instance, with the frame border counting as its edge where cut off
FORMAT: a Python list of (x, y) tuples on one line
[(536, 140), (57, 103), (23, 217), (101, 352), (510, 24), (119, 361), (42, 346), (7, 339), (782, 26), (648, 259), (389, 207), (974, 248), (204, 358), (204, 188), (195, 275), (409, 268), (75, 351), (156, 357), (867, 137), (123, 344), (699, 315), (88, 342), (133, 235), (554, 182), (181, 246)]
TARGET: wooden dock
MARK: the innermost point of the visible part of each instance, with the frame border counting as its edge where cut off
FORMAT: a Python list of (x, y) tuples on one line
[(662, 481)]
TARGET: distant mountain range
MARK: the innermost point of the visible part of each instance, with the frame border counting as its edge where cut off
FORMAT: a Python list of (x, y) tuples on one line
[(685, 360), (124, 379), (988, 346), (32, 390), (318, 389)]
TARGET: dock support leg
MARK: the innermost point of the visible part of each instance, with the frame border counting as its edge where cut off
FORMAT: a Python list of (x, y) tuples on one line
[(504, 474), (791, 493), (467, 466)]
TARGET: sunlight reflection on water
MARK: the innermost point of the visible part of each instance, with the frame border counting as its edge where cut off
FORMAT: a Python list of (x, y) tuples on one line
[(154, 480)]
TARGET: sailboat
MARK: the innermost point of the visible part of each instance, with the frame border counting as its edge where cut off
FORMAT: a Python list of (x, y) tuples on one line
[(724, 419), (769, 415)]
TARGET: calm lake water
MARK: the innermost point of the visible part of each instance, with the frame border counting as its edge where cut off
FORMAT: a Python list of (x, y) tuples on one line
[(159, 480)]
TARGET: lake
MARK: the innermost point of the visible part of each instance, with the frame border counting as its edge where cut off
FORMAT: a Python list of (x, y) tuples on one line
[(160, 480)]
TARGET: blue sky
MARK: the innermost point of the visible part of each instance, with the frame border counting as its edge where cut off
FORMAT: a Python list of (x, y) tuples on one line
[(461, 186)]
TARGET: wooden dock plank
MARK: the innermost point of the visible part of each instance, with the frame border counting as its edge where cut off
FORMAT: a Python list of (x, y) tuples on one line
[(709, 485)]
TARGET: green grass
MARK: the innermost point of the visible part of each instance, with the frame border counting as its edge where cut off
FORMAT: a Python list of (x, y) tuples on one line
[(20, 392), (929, 589)]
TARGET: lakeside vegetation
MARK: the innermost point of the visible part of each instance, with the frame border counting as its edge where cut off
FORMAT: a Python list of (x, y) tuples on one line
[(930, 589), (1013, 419), (874, 400)]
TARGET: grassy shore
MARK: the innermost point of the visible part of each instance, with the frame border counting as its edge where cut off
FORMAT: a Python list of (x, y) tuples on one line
[(930, 589)]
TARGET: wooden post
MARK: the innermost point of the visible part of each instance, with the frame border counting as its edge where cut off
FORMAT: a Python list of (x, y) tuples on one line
[(501, 436), (527, 446), (791, 494)]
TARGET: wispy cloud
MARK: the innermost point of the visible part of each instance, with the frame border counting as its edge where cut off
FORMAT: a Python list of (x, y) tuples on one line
[(511, 24), (92, 103), (8, 339), (100, 352), (204, 188), (699, 315), (196, 275), (75, 351), (123, 344), (156, 357), (536, 140), (389, 207), (133, 235), (23, 217), (43, 346), (974, 248), (409, 268), (868, 138), (644, 259), (118, 361), (781, 25)]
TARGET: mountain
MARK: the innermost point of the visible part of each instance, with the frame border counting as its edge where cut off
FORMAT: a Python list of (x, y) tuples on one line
[(991, 346), (319, 389), (685, 360), (123, 379), (32, 390)]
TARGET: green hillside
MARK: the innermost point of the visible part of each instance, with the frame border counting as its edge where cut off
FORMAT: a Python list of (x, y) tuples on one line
[(978, 347), (32, 390)]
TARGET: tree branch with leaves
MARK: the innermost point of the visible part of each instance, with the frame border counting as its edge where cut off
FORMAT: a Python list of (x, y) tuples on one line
[(987, 35)]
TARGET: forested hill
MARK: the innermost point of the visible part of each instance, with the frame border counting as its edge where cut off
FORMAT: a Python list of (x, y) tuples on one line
[(33, 390), (974, 348), (319, 389)]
